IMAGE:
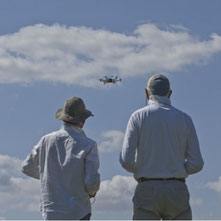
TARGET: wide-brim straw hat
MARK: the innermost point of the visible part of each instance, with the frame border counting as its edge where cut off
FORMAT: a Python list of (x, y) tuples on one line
[(74, 111)]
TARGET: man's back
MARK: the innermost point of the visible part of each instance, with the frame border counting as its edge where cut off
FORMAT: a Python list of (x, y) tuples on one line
[(67, 168), (160, 134), (164, 133)]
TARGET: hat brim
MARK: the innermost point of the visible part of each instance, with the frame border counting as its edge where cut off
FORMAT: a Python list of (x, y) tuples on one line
[(60, 115)]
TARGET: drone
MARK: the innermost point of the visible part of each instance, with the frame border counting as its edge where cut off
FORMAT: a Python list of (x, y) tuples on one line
[(110, 80)]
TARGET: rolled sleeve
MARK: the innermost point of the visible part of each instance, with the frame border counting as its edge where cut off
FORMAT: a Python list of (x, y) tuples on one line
[(30, 166), (92, 177), (194, 161), (128, 153)]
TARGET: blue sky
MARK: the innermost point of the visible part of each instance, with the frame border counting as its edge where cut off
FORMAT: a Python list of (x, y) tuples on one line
[(54, 50)]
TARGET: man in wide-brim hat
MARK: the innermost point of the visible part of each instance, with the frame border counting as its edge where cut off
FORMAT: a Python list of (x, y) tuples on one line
[(66, 162)]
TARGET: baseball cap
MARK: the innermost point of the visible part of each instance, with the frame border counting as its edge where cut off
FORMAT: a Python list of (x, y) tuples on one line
[(158, 84)]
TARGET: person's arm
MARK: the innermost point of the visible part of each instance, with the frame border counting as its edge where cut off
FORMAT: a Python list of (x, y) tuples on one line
[(194, 161), (92, 177), (30, 166), (128, 153)]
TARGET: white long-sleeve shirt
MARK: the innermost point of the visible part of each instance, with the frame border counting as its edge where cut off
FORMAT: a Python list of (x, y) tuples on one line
[(160, 142), (66, 162)]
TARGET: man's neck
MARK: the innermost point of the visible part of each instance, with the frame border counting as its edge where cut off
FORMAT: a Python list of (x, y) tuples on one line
[(73, 127), (160, 99), (79, 124)]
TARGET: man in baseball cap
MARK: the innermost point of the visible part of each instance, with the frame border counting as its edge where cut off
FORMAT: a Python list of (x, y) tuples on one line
[(66, 162), (161, 149)]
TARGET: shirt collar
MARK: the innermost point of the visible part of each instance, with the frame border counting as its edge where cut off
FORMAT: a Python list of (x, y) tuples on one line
[(159, 99), (73, 128)]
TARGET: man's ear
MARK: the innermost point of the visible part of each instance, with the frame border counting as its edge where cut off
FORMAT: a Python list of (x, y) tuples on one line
[(170, 93), (147, 94)]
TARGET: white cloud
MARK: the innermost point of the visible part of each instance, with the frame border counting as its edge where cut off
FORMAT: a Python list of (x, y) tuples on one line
[(9, 164), (215, 185), (115, 194), (15, 191), (196, 201), (8, 167), (80, 55), (112, 141)]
